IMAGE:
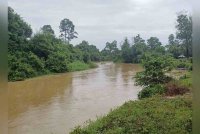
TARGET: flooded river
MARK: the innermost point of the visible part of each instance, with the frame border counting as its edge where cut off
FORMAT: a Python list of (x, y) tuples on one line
[(54, 104)]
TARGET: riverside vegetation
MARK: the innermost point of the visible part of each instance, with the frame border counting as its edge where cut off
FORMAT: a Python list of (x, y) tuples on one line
[(165, 104), (165, 100), (30, 55)]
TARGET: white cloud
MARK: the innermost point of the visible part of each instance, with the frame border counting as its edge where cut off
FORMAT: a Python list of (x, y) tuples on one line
[(99, 21)]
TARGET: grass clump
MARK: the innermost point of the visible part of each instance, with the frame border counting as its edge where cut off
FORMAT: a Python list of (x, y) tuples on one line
[(78, 66), (151, 115)]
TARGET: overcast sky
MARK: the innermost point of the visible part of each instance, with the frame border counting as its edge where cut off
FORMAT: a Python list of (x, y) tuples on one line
[(100, 21)]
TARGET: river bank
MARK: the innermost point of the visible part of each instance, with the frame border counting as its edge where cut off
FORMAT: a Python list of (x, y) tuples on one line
[(157, 114), (72, 67), (152, 115)]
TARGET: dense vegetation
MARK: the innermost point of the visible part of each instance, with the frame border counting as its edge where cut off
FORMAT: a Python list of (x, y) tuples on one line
[(41, 53), (156, 79)]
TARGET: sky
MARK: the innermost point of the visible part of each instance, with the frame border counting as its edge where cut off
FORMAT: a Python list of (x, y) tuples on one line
[(101, 21)]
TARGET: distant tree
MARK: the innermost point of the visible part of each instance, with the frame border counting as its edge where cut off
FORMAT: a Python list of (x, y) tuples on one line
[(184, 31), (126, 51), (67, 30), (110, 52), (47, 29), (171, 39), (90, 52), (138, 49), (174, 46), (153, 42), (138, 39)]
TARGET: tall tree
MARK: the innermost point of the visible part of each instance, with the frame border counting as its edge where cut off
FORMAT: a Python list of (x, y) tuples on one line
[(47, 29), (67, 30), (184, 31), (138, 39), (126, 51), (174, 46), (171, 39), (153, 42), (110, 52), (138, 49)]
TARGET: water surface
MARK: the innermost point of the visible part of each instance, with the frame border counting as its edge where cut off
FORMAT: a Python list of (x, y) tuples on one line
[(54, 104)]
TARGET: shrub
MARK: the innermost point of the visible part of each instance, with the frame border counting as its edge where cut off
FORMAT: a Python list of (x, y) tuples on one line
[(182, 65), (175, 88), (57, 62), (150, 91), (155, 70)]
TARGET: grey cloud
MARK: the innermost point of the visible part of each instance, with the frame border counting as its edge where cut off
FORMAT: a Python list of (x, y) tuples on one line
[(99, 21)]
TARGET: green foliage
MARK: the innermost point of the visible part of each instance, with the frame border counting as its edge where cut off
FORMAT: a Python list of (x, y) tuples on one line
[(43, 52), (151, 90), (184, 32), (42, 45), (24, 65), (110, 52), (126, 51), (67, 30), (47, 29), (155, 69), (77, 66), (89, 52), (18, 32), (138, 51), (184, 63), (57, 62), (153, 115), (153, 42), (186, 80), (182, 44)]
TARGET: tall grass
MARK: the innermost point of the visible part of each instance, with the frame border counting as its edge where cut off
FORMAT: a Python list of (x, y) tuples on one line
[(78, 66)]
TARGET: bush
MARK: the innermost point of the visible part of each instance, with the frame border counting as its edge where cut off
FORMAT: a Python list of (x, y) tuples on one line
[(175, 88), (77, 66), (57, 62), (155, 70), (151, 90), (21, 72), (184, 63), (154, 115)]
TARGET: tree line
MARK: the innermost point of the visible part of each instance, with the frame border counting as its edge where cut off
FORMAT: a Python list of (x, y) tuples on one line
[(179, 44), (41, 53)]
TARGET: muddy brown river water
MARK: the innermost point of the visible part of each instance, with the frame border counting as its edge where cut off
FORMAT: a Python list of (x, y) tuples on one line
[(54, 104)]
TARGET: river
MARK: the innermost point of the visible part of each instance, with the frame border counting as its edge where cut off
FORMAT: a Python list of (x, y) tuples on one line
[(54, 104)]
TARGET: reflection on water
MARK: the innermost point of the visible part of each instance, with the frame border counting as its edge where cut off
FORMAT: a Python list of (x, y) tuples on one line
[(55, 104)]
